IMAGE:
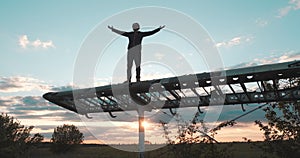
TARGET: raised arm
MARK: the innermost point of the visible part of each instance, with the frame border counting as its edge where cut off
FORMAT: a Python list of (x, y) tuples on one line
[(148, 33), (123, 33)]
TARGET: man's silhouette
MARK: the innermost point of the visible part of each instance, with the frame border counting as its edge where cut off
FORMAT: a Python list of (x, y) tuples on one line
[(134, 47)]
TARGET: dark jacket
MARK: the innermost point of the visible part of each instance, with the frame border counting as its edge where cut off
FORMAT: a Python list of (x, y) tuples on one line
[(135, 37)]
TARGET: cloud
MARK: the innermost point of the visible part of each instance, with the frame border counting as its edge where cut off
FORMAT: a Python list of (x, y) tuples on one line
[(234, 41), (101, 81), (244, 64), (295, 4), (22, 84), (45, 116), (62, 88), (159, 55), (284, 11), (238, 131), (285, 57), (292, 5), (24, 42), (261, 22), (34, 110)]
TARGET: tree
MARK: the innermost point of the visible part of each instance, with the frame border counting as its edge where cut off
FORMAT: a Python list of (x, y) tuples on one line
[(194, 139), (282, 131), (15, 139), (65, 138)]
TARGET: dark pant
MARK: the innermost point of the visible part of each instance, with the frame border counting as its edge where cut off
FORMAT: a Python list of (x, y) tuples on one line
[(134, 55)]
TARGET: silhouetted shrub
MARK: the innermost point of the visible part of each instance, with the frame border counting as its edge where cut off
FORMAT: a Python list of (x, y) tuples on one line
[(65, 138)]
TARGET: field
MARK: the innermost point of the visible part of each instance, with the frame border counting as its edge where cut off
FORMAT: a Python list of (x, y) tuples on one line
[(233, 150)]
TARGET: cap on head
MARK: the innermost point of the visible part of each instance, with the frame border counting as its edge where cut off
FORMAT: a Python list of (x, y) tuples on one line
[(135, 26)]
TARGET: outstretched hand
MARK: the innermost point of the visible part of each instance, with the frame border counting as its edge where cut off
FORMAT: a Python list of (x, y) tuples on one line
[(110, 27), (161, 27)]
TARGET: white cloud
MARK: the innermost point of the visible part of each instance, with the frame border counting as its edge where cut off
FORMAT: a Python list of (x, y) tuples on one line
[(22, 84), (261, 22), (220, 44), (24, 42), (234, 41), (159, 55), (293, 5), (100, 82), (285, 57), (47, 44), (37, 43), (284, 11)]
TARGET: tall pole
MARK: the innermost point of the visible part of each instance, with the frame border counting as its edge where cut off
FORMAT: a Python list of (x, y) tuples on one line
[(141, 133)]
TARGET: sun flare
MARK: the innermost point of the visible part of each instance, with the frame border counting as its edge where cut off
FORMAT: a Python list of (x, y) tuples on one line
[(145, 124)]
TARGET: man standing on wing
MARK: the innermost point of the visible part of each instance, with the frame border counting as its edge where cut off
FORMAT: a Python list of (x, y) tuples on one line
[(134, 47)]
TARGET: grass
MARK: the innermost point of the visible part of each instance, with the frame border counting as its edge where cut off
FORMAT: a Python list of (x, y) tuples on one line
[(235, 150)]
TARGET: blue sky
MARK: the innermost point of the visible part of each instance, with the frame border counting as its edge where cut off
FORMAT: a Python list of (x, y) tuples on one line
[(67, 24), (40, 41)]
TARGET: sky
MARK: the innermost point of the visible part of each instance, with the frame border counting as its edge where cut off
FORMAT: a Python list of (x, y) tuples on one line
[(41, 42)]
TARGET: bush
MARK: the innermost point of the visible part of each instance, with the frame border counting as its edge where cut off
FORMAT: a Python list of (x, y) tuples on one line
[(65, 138)]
